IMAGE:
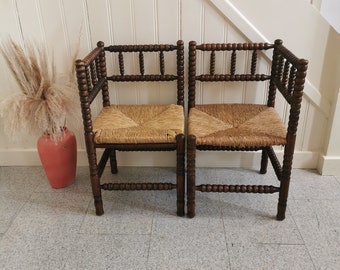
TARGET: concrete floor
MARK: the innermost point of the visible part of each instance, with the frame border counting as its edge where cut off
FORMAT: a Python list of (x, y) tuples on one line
[(44, 228)]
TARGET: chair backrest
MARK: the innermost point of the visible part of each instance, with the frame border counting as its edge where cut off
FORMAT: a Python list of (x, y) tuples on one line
[(287, 71), (91, 77), (92, 70)]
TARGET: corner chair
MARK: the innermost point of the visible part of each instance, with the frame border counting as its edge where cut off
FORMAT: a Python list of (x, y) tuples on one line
[(239, 126), (132, 127)]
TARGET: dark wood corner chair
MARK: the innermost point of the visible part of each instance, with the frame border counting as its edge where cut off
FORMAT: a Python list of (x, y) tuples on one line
[(144, 127), (245, 127)]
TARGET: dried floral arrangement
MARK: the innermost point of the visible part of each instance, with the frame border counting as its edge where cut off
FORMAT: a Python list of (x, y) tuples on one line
[(45, 98)]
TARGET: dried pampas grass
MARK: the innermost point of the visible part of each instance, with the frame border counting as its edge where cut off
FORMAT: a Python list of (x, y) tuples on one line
[(45, 98)]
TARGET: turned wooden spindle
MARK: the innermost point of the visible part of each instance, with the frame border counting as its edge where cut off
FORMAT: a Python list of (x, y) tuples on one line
[(93, 73), (138, 186), (121, 63), (253, 62), (291, 82), (261, 189), (141, 63), (233, 63), (212, 63), (273, 75), (285, 75), (103, 73), (280, 67), (161, 62), (180, 72), (192, 74)]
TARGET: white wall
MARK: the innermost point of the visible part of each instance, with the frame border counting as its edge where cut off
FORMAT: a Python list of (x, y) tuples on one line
[(56, 24)]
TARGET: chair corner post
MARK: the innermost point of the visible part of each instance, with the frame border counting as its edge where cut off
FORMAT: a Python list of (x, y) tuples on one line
[(180, 73), (191, 177), (180, 173)]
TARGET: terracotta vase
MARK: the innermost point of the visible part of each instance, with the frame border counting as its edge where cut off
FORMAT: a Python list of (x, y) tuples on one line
[(59, 159)]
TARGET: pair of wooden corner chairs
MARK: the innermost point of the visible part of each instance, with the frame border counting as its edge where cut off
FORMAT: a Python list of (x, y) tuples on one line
[(213, 127)]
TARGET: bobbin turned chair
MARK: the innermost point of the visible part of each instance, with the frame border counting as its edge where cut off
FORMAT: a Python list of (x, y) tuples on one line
[(244, 127), (145, 127)]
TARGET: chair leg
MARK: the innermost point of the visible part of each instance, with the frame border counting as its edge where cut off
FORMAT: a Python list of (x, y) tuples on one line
[(94, 175), (113, 162), (98, 202), (264, 161), (284, 185), (96, 190), (180, 174), (282, 204), (191, 177)]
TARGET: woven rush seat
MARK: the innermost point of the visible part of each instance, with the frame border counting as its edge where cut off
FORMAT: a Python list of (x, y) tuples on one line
[(236, 125), (134, 124)]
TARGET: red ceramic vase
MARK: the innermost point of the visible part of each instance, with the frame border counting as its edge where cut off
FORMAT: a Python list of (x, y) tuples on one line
[(59, 158)]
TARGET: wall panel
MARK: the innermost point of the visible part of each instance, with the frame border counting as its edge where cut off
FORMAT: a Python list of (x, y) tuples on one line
[(30, 20), (76, 27), (55, 34), (144, 19), (192, 12), (168, 19), (9, 19)]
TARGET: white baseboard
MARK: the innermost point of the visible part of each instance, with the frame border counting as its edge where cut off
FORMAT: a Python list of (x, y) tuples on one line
[(329, 165), (29, 157), (302, 159), (19, 157)]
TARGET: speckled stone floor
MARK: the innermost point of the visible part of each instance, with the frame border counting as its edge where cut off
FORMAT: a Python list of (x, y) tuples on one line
[(43, 228)]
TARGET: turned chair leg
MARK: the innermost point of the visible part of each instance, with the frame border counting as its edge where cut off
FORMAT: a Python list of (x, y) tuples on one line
[(113, 162), (284, 184), (191, 177), (264, 161), (95, 182), (94, 175), (283, 196), (180, 174)]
